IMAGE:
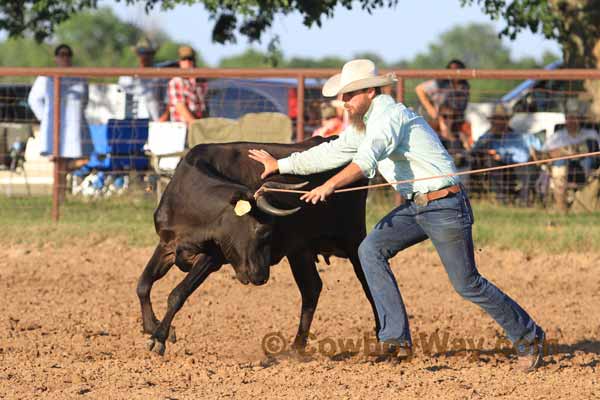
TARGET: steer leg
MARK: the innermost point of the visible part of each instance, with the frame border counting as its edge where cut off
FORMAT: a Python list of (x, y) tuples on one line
[(308, 281), (358, 271), (161, 262), (203, 267)]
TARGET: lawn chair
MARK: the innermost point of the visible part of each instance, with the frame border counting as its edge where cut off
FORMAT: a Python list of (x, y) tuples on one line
[(253, 127), (166, 146)]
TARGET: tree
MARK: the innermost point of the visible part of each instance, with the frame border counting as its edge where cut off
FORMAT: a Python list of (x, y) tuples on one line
[(478, 46), (325, 62), (251, 58), (18, 52), (376, 58), (250, 18), (575, 24), (98, 38)]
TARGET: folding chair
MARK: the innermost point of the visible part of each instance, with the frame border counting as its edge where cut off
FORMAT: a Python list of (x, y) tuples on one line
[(166, 146)]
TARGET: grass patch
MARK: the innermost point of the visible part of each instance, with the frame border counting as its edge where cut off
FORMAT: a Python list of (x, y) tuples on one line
[(26, 220), (532, 230)]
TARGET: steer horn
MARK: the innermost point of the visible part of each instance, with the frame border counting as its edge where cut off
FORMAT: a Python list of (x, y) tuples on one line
[(281, 185), (263, 204)]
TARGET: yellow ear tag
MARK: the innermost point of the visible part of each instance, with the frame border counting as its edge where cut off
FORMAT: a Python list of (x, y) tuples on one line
[(242, 207)]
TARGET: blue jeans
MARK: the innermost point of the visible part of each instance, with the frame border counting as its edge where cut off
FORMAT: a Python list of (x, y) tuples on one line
[(447, 222)]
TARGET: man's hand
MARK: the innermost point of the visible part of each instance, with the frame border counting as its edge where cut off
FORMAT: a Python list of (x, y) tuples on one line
[(319, 193), (268, 161)]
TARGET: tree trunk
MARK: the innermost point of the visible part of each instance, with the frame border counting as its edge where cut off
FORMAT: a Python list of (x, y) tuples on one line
[(580, 41)]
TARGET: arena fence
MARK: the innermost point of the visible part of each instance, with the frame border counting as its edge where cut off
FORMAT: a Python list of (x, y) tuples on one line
[(118, 119)]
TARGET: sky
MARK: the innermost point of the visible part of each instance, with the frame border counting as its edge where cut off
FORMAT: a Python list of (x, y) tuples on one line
[(394, 33)]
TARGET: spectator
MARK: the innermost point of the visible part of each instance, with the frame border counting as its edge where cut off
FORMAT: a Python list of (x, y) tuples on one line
[(451, 95), (331, 123), (74, 134), (144, 95), (457, 140), (572, 139), (501, 146), (187, 95)]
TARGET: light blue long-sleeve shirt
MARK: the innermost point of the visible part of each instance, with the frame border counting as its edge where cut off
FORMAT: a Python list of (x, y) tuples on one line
[(397, 141)]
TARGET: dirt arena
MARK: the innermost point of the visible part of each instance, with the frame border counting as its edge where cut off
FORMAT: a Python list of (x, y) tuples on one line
[(70, 328)]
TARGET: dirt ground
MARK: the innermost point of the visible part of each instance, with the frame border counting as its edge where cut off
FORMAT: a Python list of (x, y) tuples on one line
[(70, 328)]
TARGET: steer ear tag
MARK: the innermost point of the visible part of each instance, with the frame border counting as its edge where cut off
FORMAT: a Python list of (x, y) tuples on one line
[(242, 207)]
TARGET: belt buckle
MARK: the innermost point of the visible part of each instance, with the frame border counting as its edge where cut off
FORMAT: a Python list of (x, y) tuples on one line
[(421, 199)]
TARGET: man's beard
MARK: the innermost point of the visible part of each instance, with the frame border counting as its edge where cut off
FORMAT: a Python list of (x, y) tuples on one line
[(357, 122)]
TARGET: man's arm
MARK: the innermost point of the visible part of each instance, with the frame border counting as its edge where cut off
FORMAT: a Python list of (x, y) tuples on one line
[(37, 96), (345, 177), (423, 89), (185, 113), (324, 157), (381, 140)]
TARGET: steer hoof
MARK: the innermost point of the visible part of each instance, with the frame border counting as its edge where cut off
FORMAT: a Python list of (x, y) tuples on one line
[(172, 336), (155, 346), (159, 348), (150, 344)]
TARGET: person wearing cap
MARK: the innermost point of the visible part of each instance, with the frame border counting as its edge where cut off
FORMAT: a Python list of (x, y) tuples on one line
[(500, 145), (187, 95), (331, 123), (573, 138), (144, 96), (389, 137)]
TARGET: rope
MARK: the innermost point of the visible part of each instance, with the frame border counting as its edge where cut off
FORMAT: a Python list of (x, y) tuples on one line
[(470, 172)]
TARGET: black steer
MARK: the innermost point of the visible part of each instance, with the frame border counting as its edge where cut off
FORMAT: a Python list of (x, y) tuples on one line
[(199, 231)]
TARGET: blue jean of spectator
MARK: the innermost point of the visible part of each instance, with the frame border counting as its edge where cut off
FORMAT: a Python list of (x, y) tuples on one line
[(447, 222)]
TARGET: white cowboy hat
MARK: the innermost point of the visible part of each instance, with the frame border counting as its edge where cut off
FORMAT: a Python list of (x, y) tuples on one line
[(356, 75)]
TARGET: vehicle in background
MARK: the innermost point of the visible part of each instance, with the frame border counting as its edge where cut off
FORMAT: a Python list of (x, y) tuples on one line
[(232, 98), (537, 106)]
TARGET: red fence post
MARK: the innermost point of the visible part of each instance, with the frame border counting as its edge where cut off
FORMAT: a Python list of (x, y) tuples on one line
[(58, 164), (300, 115), (400, 90)]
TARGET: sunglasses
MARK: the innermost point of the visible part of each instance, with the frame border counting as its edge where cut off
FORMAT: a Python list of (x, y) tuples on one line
[(349, 95), (64, 54)]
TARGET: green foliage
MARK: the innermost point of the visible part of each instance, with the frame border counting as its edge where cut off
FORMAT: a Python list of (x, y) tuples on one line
[(38, 17), (575, 24), (535, 15), (477, 45), (98, 38), (251, 58), (249, 18), (18, 52), (325, 62)]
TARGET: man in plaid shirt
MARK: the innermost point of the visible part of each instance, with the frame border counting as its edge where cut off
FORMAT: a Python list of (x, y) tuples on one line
[(186, 95)]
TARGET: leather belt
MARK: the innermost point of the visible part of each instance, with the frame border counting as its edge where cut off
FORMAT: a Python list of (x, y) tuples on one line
[(422, 199)]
